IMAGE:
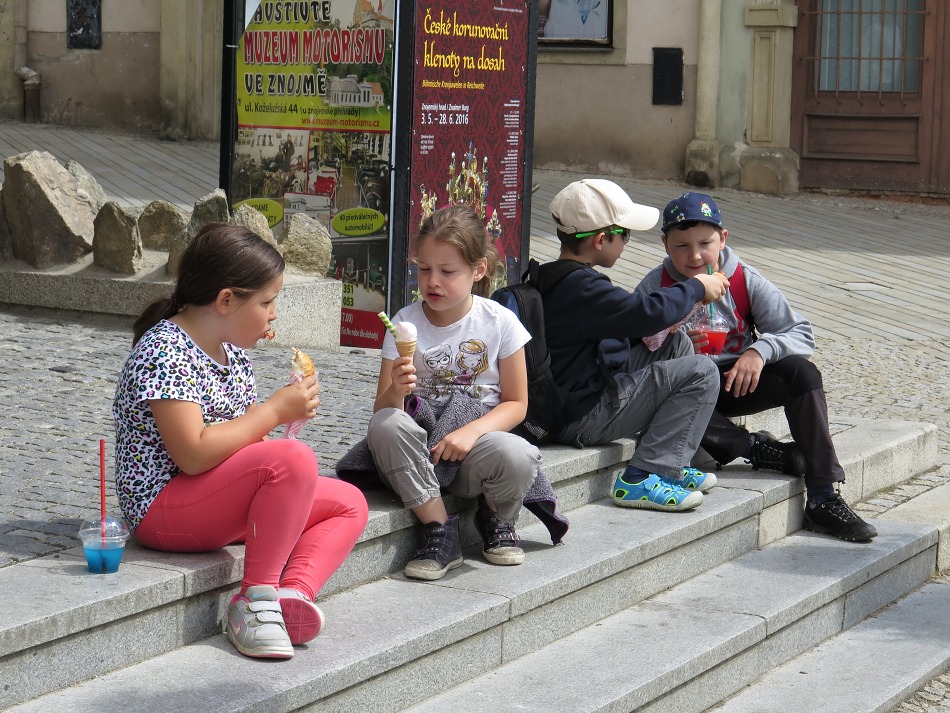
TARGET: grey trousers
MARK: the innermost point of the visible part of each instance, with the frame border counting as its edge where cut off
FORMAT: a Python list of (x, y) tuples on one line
[(501, 466), (665, 397)]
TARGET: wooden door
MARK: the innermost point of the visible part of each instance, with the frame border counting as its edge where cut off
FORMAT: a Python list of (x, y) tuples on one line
[(869, 83)]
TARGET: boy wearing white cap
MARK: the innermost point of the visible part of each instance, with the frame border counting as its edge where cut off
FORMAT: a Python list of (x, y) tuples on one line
[(617, 387)]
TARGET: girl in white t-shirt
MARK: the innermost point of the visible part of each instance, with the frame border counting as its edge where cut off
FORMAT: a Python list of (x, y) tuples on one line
[(469, 349)]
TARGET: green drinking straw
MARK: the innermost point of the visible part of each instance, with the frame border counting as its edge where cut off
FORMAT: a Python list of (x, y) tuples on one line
[(389, 325), (709, 272)]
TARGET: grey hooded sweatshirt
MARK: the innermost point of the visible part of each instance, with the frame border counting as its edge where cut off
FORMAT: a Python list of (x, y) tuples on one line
[(782, 332)]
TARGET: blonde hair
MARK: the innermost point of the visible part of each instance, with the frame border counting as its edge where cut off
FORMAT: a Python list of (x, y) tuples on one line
[(458, 225)]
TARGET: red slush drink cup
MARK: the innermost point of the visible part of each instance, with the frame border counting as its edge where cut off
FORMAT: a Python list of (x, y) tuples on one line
[(715, 339)]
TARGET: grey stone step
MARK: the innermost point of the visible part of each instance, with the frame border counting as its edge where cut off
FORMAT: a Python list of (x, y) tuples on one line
[(875, 455), (688, 648), (931, 510), (159, 602), (872, 667), (391, 622)]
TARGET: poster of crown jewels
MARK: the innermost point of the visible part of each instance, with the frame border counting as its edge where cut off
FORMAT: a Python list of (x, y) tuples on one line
[(469, 110)]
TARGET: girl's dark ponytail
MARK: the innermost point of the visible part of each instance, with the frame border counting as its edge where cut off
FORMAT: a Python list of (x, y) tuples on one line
[(154, 312)]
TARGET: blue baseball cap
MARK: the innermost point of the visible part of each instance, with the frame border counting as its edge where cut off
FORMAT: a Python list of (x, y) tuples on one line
[(691, 207)]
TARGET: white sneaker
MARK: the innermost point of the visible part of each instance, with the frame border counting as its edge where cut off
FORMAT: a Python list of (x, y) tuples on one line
[(302, 617), (255, 625)]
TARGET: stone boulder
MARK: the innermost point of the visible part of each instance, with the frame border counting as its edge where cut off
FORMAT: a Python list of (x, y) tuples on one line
[(305, 244), (116, 245), (212, 208), (88, 183), (251, 218), (160, 224), (6, 246), (50, 216)]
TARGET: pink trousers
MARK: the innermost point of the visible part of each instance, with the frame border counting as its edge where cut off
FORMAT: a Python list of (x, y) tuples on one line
[(297, 527)]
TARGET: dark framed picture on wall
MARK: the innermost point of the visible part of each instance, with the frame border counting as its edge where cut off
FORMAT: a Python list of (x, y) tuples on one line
[(574, 23)]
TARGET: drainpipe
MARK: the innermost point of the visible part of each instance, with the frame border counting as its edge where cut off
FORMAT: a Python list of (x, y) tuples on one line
[(32, 81)]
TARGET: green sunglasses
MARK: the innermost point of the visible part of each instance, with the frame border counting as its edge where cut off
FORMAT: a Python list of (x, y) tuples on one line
[(623, 232)]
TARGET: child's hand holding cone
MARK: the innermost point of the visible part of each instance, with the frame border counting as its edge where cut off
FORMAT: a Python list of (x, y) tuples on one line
[(404, 374)]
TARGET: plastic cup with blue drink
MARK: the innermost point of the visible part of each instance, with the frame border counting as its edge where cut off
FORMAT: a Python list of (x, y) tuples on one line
[(103, 545)]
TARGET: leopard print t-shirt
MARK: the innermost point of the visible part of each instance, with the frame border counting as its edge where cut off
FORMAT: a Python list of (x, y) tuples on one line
[(167, 364)]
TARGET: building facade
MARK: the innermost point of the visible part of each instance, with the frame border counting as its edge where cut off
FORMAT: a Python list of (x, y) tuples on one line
[(763, 95), (155, 65), (775, 95)]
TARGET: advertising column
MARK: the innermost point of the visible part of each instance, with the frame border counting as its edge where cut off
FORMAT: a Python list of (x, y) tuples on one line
[(469, 113), (314, 115)]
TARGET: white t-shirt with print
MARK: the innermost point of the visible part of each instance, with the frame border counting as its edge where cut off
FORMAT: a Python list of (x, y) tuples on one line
[(462, 356)]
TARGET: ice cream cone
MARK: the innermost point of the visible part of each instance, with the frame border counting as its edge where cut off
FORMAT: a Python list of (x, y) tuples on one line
[(301, 366), (406, 349), (302, 363)]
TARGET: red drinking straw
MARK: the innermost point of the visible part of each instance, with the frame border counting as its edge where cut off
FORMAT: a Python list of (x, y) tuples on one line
[(102, 487)]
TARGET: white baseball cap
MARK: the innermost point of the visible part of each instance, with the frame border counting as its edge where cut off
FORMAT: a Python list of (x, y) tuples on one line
[(595, 203)]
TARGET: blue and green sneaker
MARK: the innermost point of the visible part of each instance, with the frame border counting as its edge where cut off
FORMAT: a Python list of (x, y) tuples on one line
[(654, 493), (695, 480)]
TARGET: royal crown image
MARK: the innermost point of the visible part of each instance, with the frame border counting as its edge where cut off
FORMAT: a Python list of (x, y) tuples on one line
[(467, 184)]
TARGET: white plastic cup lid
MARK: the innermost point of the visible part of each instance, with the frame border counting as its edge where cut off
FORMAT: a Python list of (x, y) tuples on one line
[(116, 529)]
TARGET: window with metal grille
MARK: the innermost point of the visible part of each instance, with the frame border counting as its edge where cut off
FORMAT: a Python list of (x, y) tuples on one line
[(870, 46)]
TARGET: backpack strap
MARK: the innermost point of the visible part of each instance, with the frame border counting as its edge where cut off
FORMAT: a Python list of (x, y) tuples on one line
[(554, 272), (740, 295)]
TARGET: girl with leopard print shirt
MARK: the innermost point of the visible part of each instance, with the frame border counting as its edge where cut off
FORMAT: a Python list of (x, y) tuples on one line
[(195, 470)]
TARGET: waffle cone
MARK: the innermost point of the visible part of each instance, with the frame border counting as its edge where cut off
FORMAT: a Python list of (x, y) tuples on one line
[(406, 348), (302, 363)]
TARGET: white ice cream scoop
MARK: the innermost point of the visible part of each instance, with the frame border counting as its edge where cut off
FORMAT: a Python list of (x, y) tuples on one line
[(405, 332)]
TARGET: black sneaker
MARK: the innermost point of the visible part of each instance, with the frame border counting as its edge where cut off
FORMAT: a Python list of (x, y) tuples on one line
[(771, 454), (439, 553), (834, 517), (501, 544)]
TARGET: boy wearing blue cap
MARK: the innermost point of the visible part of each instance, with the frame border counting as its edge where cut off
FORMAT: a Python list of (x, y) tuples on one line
[(617, 387), (764, 364)]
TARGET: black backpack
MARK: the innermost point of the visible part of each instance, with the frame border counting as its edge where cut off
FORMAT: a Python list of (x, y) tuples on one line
[(546, 399)]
